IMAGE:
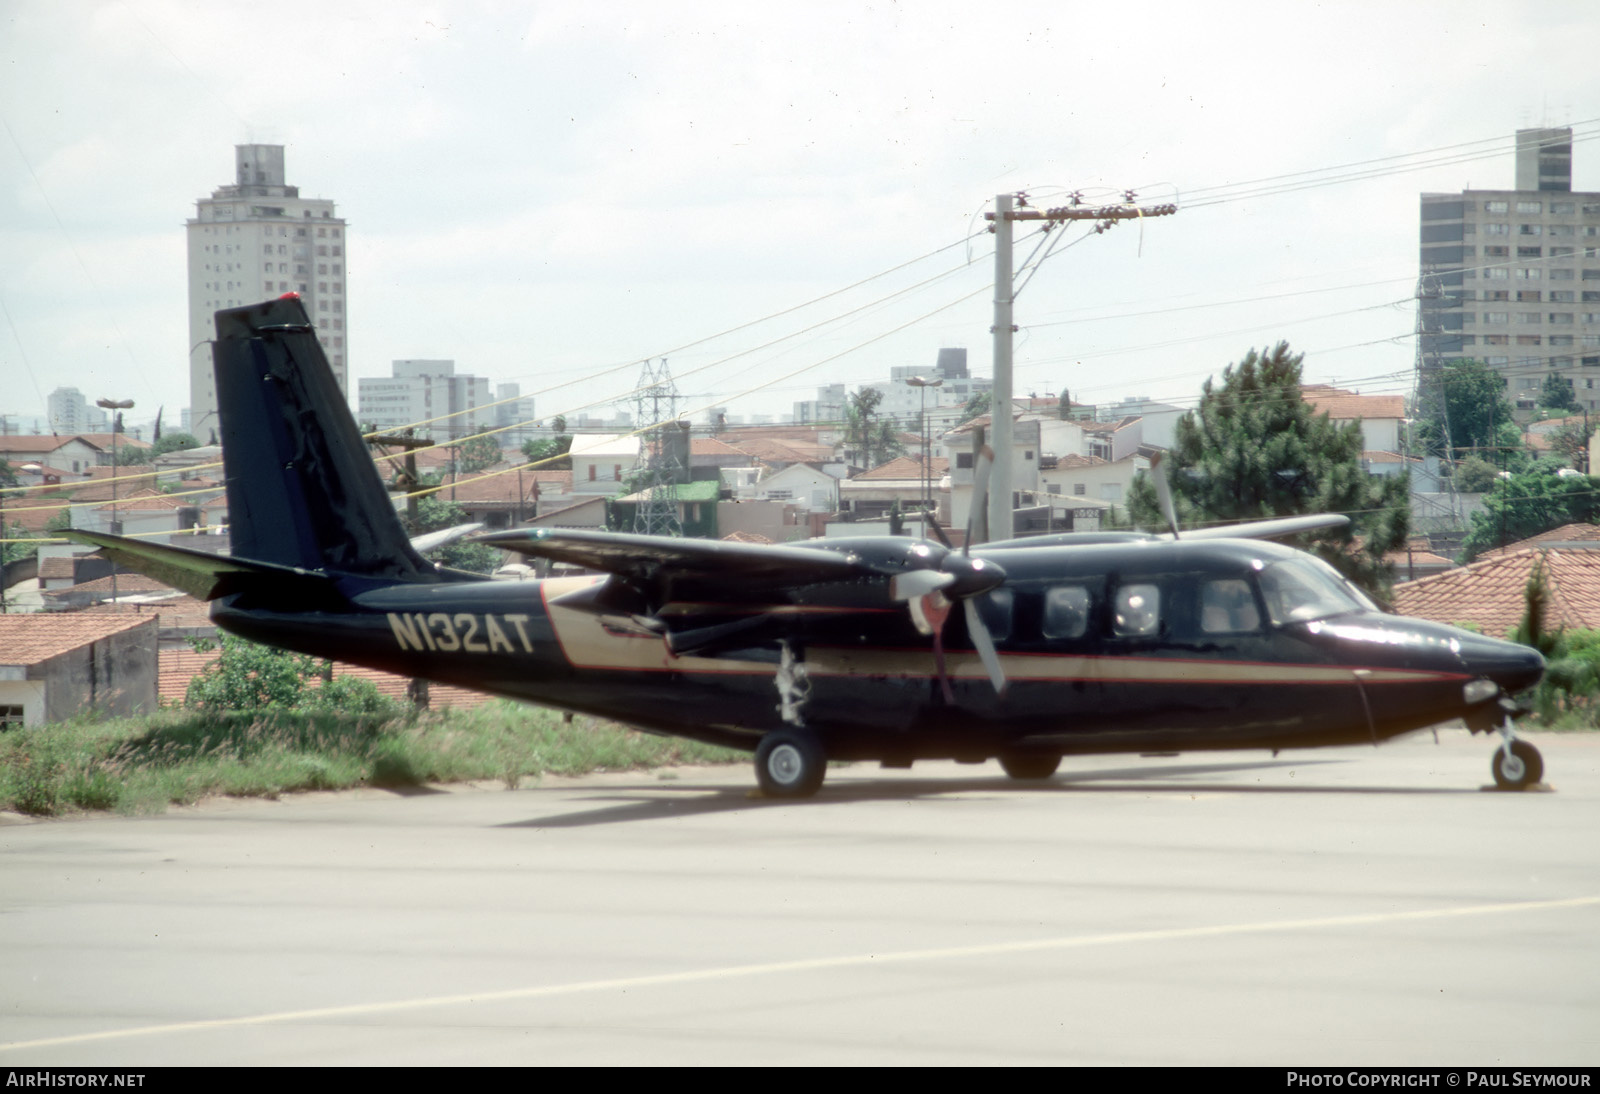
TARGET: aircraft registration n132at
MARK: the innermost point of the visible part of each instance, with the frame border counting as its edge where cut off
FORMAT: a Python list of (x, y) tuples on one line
[(846, 649)]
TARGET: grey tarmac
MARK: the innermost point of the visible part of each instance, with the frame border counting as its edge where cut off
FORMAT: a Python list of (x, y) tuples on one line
[(1335, 907)]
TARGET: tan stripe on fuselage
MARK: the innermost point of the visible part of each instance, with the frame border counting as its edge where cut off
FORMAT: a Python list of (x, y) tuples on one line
[(587, 643)]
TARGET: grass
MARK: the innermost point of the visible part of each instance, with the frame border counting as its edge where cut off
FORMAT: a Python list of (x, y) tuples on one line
[(180, 756)]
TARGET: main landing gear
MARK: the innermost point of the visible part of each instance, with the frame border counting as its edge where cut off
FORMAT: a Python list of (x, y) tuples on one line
[(790, 763), (1517, 765), (1029, 766)]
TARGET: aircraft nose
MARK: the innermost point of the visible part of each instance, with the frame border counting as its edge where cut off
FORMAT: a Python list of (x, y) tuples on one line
[(1512, 666)]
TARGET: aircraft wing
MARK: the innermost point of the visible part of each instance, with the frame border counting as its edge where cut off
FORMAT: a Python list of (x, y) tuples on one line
[(647, 557), (1269, 529)]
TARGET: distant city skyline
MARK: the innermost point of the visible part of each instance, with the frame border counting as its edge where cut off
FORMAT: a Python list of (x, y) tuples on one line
[(549, 197)]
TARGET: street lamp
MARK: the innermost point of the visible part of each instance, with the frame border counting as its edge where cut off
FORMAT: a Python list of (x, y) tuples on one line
[(116, 406), (927, 475)]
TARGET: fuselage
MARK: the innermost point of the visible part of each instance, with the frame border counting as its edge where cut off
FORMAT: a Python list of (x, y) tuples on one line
[(1106, 647)]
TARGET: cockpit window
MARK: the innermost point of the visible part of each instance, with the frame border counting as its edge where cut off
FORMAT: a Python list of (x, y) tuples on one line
[(1227, 607), (1307, 588)]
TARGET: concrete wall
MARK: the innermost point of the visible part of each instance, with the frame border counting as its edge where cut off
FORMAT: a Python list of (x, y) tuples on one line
[(115, 676)]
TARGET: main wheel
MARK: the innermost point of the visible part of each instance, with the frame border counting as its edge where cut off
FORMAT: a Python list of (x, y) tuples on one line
[(1030, 766), (1520, 770), (790, 763)]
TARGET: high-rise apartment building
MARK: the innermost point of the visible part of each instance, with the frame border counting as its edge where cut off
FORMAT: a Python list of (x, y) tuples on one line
[(70, 412), (429, 392), (1512, 277), (253, 241), (513, 415), (957, 386)]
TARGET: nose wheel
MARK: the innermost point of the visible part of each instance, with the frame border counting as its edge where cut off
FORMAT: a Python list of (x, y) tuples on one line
[(1517, 765)]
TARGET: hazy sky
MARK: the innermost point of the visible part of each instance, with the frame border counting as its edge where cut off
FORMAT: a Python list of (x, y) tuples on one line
[(544, 192)]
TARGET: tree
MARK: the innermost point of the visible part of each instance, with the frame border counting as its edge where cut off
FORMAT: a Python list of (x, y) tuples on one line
[(551, 452), (435, 514), (479, 453), (1254, 449), (1464, 406), (1524, 505), (1557, 394), (250, 677), (1475, 475), (128, 455), (977, 406), (1571, 443), (174, 442), (867, 432)]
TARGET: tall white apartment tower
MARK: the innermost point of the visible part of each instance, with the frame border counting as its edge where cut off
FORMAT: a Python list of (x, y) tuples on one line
[(1512, 277), (253, 241)]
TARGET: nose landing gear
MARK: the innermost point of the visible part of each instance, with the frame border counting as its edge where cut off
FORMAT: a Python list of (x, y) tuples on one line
[(1517, 765)]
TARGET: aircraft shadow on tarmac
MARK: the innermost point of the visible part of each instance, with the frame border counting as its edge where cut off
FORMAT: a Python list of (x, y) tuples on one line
[(660, 801)]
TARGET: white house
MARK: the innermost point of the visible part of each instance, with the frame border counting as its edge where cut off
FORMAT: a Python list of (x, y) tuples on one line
[(600, 460), (801, 485)]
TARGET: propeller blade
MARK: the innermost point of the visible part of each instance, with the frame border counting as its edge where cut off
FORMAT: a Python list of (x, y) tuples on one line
[(929, 613), (980, 498), (984, 643), (1164, 493)]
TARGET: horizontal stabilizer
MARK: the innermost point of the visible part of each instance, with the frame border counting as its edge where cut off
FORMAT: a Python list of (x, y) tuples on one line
[(648, 557), (444, 537), (202, 575)]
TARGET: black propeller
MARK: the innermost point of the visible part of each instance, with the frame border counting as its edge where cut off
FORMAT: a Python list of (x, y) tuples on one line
[(930, 593), (1250, 529)]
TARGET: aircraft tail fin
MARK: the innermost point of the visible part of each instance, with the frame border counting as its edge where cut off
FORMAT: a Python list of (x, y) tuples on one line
[(303, 491)]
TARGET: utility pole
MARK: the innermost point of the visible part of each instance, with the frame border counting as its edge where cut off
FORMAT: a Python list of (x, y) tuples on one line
[(410, 442), (1001, 479)]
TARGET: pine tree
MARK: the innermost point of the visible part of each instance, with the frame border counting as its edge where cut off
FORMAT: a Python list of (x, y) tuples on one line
[(1254, 449)]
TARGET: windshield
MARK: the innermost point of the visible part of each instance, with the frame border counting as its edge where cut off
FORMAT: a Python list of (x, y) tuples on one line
[(1299, 589)]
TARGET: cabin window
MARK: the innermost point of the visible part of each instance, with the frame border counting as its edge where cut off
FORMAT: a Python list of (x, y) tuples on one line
[(11, 717), (1066, 612), (1138, 611), (1227, 607)]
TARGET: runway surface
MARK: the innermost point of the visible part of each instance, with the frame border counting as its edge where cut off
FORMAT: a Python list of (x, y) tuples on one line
[(1349, 906)]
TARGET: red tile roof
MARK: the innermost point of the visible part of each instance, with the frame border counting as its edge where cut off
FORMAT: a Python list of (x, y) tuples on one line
[(774, 451), (1490, 592), (906, 468), (40, 442), (174, 611), (57, 566), (1564, 536), (710, 446), (126, 583), (103, 440), (1344, 406), (27, 639)]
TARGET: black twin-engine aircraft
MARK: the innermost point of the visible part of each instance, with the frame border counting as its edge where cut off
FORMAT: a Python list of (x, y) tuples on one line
[(846, 649)]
